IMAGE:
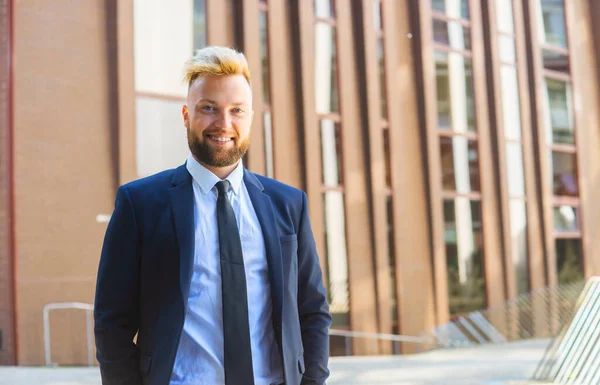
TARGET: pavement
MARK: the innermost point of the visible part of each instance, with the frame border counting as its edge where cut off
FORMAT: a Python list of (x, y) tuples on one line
[(498, 364)]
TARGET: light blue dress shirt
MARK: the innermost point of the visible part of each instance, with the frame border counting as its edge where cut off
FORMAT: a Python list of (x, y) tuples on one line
[(199, 359)]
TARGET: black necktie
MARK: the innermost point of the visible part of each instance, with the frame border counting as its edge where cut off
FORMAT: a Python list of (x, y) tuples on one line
[(236, 332)]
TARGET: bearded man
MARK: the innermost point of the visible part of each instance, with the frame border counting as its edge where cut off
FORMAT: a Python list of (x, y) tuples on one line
[(213, 267)]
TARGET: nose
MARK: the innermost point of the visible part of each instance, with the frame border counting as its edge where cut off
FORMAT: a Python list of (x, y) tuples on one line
[(223, 120)]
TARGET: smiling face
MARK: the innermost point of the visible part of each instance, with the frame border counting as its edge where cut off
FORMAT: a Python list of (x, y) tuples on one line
[(218, 116)]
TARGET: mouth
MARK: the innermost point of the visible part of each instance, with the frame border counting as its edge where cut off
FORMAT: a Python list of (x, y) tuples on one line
[(220, 139)]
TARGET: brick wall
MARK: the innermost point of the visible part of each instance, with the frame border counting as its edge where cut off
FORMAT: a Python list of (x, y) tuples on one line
[(7, 354)]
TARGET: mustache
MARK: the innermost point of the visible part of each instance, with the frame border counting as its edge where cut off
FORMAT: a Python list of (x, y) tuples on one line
[(232, 134)]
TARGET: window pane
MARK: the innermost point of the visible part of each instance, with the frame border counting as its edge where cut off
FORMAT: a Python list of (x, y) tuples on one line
[(466, 285), (331, 155), (555, 61), (451, 33), (559, 126), (161, 139), (569, 266), (391, 256), (552, 25), (460, 167), (324, 9), (325, 69), (386, 154), (268, 135), (518, 236), (377, 19), (335, 247), (199, 24), (564, 174), (514, 170), (382, 88), (504, 16), (454, 80), (456, 8), (511, 110), (264, 53), (506, 48), (565, 219)]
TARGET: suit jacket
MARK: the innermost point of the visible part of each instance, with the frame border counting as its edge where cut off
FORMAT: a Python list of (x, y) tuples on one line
[(146, 267)]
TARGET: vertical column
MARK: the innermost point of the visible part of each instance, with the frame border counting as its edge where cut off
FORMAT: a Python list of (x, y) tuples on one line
[(8, 352), (220, 15)]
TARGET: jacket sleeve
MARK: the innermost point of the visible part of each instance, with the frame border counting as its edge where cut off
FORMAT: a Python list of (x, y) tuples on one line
[(116, 307), (313, 309)]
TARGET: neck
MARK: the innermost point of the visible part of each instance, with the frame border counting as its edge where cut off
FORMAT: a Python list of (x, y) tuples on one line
[(221, 172)]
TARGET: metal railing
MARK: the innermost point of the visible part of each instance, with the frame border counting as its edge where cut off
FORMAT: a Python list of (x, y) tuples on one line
[(573, 358), (89, 309)]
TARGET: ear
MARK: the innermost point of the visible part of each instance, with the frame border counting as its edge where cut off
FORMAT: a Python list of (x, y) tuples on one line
[(184, 113)]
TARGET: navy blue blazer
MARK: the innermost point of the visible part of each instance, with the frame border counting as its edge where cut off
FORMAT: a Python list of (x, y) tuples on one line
[(146, 267)]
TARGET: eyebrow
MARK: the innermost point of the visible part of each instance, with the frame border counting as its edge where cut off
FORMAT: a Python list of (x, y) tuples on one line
[(213, 102)]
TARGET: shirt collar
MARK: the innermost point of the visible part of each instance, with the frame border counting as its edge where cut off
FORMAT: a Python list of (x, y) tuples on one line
[(207, 180)]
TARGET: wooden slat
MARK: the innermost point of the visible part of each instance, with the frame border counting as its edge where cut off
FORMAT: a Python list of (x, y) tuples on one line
[(256, 161), (537, 84), (304, 14), (286, 128), (492, 244), (537, 277), (361, 277), (372, 98), (126, 92), (434, 162), (584, 66), (414, 270), (496, 95), (221, 22)]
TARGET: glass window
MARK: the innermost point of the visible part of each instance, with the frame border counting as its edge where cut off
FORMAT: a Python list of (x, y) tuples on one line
[(326, 84), (452, 34), (331, 153), (377, 17), (454, 80), (382, 85), (454, 8), (460, 164), (504, 16), (564, 174), (268, 136), (324, 9), (391, 256), (264, 48), (335, 247), (514, 170), (556, 61), (560, 112), (506, 48), (568, 260), (161, 140), (199, 24), (565, 219), (511, 110), (518, 235), (386, 154), (552, 14), (463, 235)]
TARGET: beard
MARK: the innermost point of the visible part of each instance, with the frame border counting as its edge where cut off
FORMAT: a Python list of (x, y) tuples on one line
[(215, 156)]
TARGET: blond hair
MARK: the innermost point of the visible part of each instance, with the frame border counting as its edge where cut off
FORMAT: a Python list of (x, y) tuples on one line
[(218, 61)]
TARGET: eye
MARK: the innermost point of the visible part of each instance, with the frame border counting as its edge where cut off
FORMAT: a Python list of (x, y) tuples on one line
[(238, 111), (208, 108)]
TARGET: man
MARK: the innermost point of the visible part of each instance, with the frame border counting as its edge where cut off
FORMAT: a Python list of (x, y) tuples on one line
[(215, 268)]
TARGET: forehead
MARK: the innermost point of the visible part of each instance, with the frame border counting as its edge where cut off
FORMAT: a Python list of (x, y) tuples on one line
[(222, 89)]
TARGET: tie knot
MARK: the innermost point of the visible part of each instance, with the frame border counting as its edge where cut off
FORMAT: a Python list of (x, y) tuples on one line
[(223, 187)]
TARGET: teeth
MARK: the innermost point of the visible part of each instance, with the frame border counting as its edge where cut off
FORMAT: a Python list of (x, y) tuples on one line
[(222, 139)]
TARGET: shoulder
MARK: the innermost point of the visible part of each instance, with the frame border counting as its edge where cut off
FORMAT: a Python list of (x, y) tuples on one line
[(279, 191), (153, 184)]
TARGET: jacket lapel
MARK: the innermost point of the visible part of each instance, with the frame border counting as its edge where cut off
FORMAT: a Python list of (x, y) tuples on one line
[(266, 217), (182, 204)]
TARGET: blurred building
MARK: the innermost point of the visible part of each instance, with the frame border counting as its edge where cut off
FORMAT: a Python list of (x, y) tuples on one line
[(450, 149)]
